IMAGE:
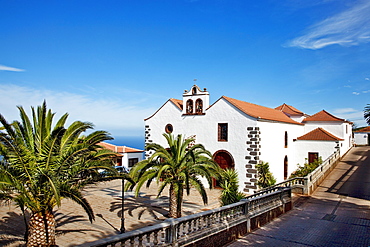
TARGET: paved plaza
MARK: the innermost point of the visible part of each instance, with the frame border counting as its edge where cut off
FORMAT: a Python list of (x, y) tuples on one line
[(337, 214), (74, 228)]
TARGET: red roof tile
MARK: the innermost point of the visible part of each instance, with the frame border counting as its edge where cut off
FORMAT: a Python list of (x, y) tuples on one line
[(260, 112), (177, 102), (366, 129), (120, 149), (319, 134), (323, 116), (289, 110)]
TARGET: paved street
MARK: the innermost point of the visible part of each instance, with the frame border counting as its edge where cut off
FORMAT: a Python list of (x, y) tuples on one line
[(337, 214), (74, 228)]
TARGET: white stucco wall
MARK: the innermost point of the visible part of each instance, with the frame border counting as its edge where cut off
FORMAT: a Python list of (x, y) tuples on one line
[(238, 122), (324, 148), (273, 148), (127, 156), (155, 125), (361, 138)]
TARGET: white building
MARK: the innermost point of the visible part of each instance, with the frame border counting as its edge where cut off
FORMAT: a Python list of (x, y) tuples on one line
[(241, 134), (127, 157), (362, 136)]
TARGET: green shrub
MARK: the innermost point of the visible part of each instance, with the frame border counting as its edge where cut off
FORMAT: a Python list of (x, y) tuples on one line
[(306, 169), (229, 184)]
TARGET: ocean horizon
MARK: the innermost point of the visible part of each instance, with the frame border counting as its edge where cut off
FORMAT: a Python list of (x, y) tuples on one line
[(129, 141)]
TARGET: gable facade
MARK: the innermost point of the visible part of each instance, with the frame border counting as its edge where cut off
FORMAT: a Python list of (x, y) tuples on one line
[(240, 134), (362, 136)]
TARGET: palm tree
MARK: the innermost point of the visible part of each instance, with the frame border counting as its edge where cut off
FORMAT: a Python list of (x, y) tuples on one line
[(43, 164), (180, 167), (367, 114), (229, 184)]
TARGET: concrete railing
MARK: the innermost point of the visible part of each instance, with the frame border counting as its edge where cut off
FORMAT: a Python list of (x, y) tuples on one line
[(307, 185), (214, 227), (314, 179)]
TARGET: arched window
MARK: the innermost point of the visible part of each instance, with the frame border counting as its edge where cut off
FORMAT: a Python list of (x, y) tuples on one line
[(199, 106), (189, 106), (285, 167), (194, 90), (286, 139)]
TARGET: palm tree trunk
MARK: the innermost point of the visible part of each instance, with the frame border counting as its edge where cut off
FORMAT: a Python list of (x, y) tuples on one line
[(179, 202), (173, 202), (41, 229)]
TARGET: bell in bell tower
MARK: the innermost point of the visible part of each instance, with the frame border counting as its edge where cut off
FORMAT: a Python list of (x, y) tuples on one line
[(195, 101)]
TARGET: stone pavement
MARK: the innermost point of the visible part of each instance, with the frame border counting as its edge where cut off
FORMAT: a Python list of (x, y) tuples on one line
[(74, 228), (337, 214)]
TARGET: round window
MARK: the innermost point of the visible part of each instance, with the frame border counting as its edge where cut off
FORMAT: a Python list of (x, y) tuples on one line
[(169, 128)]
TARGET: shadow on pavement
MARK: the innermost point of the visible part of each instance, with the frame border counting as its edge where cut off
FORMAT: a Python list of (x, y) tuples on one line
[(13, 228), (310, 225), (357, 184)]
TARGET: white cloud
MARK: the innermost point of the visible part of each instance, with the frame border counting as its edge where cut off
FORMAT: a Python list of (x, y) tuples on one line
[(355, 93), (367, 91), (353, 115), (367, 79), (116, 116), (344, 110), (6, 68), (348, 28)]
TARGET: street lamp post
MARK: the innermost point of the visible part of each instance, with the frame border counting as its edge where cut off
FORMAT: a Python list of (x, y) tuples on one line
[(122, 207)]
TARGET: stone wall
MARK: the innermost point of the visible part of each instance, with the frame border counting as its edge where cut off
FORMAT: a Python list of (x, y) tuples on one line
[(252, 158)]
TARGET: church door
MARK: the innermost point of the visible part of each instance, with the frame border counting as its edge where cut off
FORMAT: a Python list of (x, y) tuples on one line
[(224, 160)]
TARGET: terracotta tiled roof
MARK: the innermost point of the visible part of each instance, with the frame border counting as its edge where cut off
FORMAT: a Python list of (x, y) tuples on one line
[(366, 129), (323, 116), (289, 110), (260, 112), (319, 134), (177, 102), (120, 149)]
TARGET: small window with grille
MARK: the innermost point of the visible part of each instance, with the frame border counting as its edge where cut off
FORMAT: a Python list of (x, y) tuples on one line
[(222, 132)]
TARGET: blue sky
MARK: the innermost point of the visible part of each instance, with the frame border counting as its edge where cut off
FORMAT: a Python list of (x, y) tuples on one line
[(114, 63)]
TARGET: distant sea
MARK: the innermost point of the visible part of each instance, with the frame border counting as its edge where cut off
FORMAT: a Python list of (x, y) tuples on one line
[(129, 141)]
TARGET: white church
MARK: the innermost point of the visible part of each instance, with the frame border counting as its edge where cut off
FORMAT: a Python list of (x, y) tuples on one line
[(241, 134)]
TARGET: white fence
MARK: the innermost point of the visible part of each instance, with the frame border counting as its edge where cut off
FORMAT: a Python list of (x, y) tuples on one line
[(220, 225)]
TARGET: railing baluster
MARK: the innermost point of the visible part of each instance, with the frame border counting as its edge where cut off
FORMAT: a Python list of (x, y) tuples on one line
[(155, 238), (148, 239)]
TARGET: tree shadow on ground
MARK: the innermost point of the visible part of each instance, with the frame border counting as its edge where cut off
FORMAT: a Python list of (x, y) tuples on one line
[(148, 209), (137, 206), (12, 228), (64, 219)]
